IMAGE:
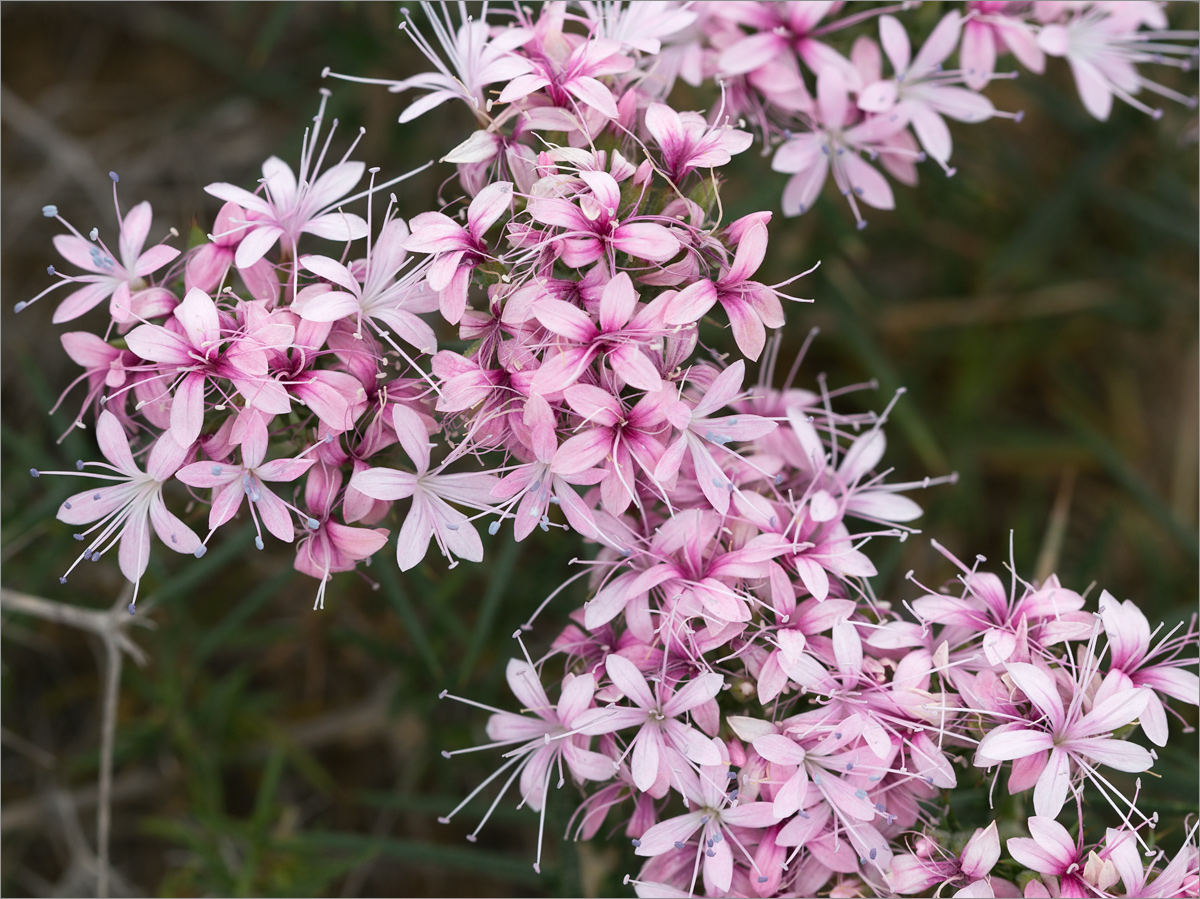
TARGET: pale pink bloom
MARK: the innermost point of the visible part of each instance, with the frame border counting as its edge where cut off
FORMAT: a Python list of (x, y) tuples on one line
[(230, 483), (783, 28), (328, 547), (712, 813), (700, 431), (209, 263), (920, 92), (371, 294), (126, 511), (119, 278), (291, 206), (639, 26), (654, 714), (916, 873), (839, 488), (752, 307), (538, 484), (1160, 669), (197, 348), (621, 336), (1177, 878), (104, 366), (431, 515), (478, 55), (567, 68), (1052, 852), (594, 229), (619, 437), (992, 26), (456, 250), (1103, 44), (835, 143), (687, 142), (546, 741), (1065, 740)]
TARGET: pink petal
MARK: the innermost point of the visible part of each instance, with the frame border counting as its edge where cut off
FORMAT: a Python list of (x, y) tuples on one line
[(1041, 690), (1050, 793), (1003, 745), (894, 38), (626, 678)]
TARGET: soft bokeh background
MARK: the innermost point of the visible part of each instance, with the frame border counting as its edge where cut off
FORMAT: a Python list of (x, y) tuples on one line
[(1040, 308)]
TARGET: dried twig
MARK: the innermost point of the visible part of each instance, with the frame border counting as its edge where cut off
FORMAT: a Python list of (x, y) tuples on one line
[(110, 626)]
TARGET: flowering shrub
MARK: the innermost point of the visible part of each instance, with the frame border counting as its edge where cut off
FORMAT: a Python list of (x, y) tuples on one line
[(732, 653)]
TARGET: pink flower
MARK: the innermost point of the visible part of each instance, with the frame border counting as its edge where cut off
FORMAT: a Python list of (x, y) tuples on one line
[(546, 741), (700, 432), (622, 337), (568, 72), (920, 92), (119, 278), (457, 250), (1131, 659), (1103, 45), (478, 55), (126, 511), (1052, 852), (835, 143), (431, 516), (594, 230), (372, 294), (654, 714), (752, 307), (1064, 739), (713, 812), (687, 142), (783, 28), (230, 483), (328, 547), (619, 437), (991, 26), (199, 348), (290, 207)]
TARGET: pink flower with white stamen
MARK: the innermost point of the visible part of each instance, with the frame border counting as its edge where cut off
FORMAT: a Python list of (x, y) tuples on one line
[(456, 250), (291, 205), (431, 515), (119, 278), (1064, 741), (654, 713), (125, 512)]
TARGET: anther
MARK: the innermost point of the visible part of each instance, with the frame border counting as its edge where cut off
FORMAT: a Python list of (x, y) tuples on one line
[(312, 524), (79, 465), (49, 211), (94, 233), (115, 177), (35, 472), (258, 542), (200, 551), (19, 306)]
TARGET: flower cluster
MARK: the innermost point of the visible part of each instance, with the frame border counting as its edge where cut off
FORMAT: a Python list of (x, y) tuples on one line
[(758, 731), (732, 653), (808, 78)]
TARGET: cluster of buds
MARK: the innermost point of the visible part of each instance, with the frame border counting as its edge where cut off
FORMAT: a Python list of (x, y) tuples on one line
[(732, 653)]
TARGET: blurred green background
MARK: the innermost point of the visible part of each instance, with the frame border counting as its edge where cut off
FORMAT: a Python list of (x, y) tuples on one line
[(1040, 307)]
